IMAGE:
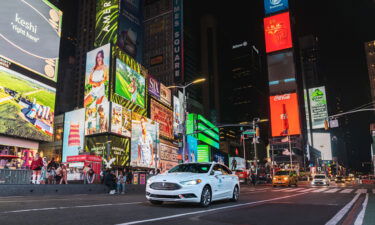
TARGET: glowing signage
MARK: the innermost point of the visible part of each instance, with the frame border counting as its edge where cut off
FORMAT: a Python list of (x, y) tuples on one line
[(277, 32), (203, 152)]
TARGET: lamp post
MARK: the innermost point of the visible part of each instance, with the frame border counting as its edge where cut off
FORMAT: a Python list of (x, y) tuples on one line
[(183, 87)]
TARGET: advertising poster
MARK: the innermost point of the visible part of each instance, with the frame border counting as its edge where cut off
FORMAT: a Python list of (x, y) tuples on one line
[(165, 95), (219, 157), (130, 29), (168, 156), (178, 40), (26, 106), (135, 178), (318, 106), (142, 178), (236, 163), (153, 87), (272, 6), (322, 142), (192, 146), (277, 32), (121, 120), (285, 115), (164, 117), (177, 122), (74, 133), (130, 84), (144, 141), (106, 22), (97, 119), (30, 35), (203, 153)]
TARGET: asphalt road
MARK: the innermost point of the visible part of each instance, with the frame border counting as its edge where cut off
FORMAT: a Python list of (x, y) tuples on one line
[(260, 205)]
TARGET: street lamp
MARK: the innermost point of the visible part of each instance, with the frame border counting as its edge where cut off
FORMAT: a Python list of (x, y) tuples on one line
[(183, 87)]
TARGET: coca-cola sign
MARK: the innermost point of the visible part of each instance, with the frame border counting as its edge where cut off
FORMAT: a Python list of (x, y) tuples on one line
[(281, 97)]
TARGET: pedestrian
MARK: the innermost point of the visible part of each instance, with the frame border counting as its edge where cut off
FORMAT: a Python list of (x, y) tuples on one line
[(129, 177), (51, 175), (103, 174), (36, 167), (110, 182), (43, 173), (253, 179), (58, 175), (90, 176), (52, 163), (121, 180), (64, 175), (85, 171)]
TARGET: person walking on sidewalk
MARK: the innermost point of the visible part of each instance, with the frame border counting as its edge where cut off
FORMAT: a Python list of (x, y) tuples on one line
[(110, 182), (90, 176), (121, 180), (36, 167), (64, 174)]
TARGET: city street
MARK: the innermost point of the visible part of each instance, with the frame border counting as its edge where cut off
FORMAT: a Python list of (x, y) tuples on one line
[(260, 205)]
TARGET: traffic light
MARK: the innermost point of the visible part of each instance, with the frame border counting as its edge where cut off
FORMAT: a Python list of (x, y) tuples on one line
[(326, 125)]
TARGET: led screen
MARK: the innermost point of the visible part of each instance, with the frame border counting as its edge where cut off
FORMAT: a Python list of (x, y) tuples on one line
[(277, 32), (30, 32), (145, 136), (26, 106), (130, 84), (281, 66), (120, 120), (203, 153), (153, 87), (97, 119), (164, 117), (279, 87), (322, 142), (284, 115), (74, 133), (236, 163), (106, 22), (272, 6), (177, 116)]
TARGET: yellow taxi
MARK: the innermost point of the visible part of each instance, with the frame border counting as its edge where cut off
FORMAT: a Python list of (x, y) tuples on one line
[(285, 178)]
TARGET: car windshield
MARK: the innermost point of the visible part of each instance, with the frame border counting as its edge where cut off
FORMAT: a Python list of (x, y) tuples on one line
[(281, 173), (191, 168), (320, 177)]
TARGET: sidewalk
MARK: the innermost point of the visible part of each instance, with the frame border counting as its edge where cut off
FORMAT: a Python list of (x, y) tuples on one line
[(63, 189), (369, 218)]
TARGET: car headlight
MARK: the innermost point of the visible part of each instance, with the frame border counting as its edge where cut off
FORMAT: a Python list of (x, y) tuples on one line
[(149, 181), (191, 182)]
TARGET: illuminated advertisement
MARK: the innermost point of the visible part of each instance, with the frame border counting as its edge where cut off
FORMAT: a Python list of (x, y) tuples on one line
[(281, 66), (97, 76), (272, 6), (30, 34), (285, 115), (26, 106), (106, 23), (178, 40), (145, 136), (74, 133), (114, 150), (322, 142), (202, 129), (236, 163), (165, 95), (130, 29), (120, 120), (277, 32), (318, 106), (153, 87), (192, 146), (164, 117), (168, 156), (219, 157), (97, 119), (130, 84), (177, 116), (203, 153)]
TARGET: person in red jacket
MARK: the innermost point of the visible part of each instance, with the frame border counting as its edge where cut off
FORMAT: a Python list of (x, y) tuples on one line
[(36, 167)]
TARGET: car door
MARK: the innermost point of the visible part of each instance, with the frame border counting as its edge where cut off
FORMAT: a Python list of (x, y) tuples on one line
[(217, 183), (229, 181)]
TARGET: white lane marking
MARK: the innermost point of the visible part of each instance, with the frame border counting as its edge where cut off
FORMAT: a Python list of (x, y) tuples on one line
[(333, 190), (307, 190), (342, 212), (289, 189), (208, 210), (69, 207), (320, 190), (360, 191), (346, 191), (361, 215)]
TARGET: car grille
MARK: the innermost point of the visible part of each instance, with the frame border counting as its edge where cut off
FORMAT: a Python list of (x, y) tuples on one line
[(164, 186), (164, 196)]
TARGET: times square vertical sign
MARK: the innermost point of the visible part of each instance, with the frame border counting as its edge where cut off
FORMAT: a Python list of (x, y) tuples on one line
[(178, 47)]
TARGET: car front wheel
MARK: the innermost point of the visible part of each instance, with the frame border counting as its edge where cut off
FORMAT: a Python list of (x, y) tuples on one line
[(236, 194), (206, 197)]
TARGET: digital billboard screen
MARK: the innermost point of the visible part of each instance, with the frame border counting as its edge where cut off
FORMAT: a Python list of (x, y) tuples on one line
[(281, 66), (272, 6), (145, 136), (26, 106), (322, 142), (97, 119), (278, 87), (165, 95), (30, 34), (74, 133), (168, 157), (164, 117), (277, 32), (153, 87), (237, 163), (318, 106), (130, 84), (106, 22), (285, 115), (177, 116), (120, 120)]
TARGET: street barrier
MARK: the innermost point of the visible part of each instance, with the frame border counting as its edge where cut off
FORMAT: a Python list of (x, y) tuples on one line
[(8, 176)]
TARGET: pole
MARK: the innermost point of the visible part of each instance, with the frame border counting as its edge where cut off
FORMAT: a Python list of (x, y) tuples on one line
[(291, 153), (272, 160), (255, 150), (244, 149), (184, 125)]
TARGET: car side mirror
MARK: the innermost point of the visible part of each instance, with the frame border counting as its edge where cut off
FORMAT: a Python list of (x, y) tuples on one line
[(216, 173)]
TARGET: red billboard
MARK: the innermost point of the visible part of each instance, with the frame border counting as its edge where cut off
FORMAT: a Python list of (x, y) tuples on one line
[(277, 32), (284, 115), (164, 117)]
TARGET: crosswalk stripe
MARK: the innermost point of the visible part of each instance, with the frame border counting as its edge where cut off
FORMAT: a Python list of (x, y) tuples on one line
[(333, 190), (286, 189), (307, 190), (360, 191), (346, 191), (320, 190)]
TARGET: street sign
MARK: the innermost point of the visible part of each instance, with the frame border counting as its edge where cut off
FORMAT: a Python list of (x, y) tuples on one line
[(249, 132), (333, 123)]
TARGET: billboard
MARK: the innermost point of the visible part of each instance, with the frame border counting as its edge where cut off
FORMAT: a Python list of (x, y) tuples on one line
[(236, 163), (203, 153), (130, 29), (168, 156), (144, 141), (106, 22), (281, 66), (318, 106), (97, 76), (74, 133), (120, 120), (322, 142), (279, 87), (130, 84), (285, 115), (177, 116), (30, 35), (165, 95), (272, 6), (153, 87), (178, 40), (219, 157), (97, 119), (277, 32), (164, 117), (26, 106), (192, 148)]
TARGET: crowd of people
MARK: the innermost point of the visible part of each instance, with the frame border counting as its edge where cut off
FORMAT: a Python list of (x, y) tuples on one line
[(45, 172)]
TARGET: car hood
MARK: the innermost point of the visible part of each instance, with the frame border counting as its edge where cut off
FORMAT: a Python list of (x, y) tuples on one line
[(176, 177)]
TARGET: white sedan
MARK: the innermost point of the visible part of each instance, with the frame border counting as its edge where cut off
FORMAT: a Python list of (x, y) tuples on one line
[(193, 182), (320, 179)]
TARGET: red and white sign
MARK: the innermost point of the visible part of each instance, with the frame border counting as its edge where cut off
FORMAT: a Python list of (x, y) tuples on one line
[(164, 117), (277, 32)]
